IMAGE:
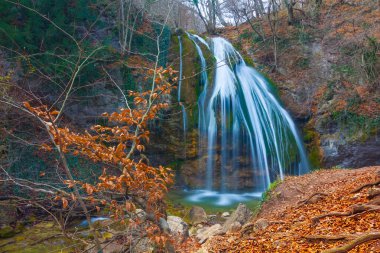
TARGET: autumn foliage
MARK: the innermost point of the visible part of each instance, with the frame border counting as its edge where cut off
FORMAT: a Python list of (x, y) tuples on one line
[(117, 147)]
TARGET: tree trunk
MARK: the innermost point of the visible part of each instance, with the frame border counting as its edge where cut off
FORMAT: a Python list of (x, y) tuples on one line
[(289, 6)]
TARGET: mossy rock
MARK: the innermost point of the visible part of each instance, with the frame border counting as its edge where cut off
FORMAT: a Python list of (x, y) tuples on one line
[(312, 140), (7, 232), (43, 237)]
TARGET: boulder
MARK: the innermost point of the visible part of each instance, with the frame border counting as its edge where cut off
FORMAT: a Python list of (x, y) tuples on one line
[(225, 214), (197, 215), (241, 215), (164, 226), (261, 224), (178, 227), (205, 233), (141, 214), (144, 246), (235, 227)]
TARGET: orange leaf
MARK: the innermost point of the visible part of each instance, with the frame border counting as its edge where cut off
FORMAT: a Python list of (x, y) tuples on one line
[(55, 112), (65, 203)]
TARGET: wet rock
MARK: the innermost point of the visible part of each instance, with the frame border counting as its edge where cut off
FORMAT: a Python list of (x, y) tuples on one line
[(338, 153), (241, 215), (226, 214), (205, 233), (178, 226), (197, 215)]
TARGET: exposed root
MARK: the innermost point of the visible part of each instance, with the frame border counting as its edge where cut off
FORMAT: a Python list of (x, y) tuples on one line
[(359, 240), (375, 201), (355, 209), (373, 193), (330, 237), (365, 186), (319, 195)]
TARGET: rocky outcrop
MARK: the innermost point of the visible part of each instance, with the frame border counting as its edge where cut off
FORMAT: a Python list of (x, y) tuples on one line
[(197, 215), (239, 217), (205, 233), (350, 154), (178, 227)]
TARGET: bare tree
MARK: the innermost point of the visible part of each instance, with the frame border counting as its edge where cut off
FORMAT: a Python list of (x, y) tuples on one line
[(250, 11), (289, 4), (272, 13), (210, 12)]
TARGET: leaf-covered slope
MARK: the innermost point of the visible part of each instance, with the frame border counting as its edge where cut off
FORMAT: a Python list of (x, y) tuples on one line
[(296, 215)]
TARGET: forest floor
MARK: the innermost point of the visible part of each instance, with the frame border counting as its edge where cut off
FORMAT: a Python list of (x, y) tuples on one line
[(312, 213)]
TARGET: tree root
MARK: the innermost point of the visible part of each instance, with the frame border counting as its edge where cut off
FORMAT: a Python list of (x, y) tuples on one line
[(330, 237), (355, 209), (307, 201), (359, 240), (365, 186), (374, 193)]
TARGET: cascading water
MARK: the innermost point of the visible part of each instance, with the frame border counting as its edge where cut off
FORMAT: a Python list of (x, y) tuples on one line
[(241, 124)]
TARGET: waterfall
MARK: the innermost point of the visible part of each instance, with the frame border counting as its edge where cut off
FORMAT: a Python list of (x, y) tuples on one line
[(184, 114), (241, 124), (202, 129)]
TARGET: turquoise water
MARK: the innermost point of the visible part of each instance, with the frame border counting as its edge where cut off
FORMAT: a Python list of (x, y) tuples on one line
[(213, 201)]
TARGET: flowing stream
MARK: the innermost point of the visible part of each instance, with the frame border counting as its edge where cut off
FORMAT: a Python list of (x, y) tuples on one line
[(241, 124)]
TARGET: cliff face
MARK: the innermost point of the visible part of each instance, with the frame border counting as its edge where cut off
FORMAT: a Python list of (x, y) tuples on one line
[(327, 74)]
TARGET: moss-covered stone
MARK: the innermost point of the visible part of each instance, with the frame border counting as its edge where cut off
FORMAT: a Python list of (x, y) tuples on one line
[(7, 232), (42, 237), (312, 141)]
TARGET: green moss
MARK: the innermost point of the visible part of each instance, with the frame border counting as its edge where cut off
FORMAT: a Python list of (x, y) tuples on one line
[(303, 63), (179, 210), (344, 69), (357, 127), (249, 61), (175, 165), (314, 157), (42, 237), (268, 193), (312, 142), (7, 232)]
